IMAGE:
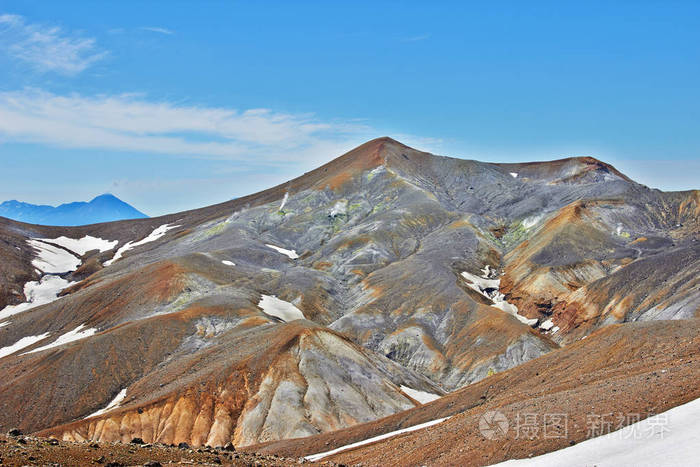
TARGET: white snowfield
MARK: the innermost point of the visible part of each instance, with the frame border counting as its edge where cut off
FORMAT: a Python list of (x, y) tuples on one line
[(514, 174), (279, 308), (291, 253), (152, 237), (421, 396), (489, 289), (671, 438), (112, 405), (52, 259), (82, 245), (228, 263), (71, 336), (315, 457), (22, 343), (37, 293)]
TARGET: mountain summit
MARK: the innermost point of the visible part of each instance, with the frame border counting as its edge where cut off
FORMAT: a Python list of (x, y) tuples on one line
[(103, 208)]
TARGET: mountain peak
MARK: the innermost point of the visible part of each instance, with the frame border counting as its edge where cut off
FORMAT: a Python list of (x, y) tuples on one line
[(106, 197)]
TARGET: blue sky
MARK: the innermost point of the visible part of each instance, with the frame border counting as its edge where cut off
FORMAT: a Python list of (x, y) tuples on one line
[(176, 105)]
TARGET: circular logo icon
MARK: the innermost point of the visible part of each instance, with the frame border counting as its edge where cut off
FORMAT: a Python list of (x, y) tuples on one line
[(493, 425)]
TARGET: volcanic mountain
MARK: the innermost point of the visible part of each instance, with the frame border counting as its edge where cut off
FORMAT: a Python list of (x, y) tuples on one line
[(103, 208), (352, 298)]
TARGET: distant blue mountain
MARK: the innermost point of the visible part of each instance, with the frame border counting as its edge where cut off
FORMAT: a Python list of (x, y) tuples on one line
[(104, 208)]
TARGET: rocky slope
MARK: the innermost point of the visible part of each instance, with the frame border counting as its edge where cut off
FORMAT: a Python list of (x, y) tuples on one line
[(618, 375), (348, 294)]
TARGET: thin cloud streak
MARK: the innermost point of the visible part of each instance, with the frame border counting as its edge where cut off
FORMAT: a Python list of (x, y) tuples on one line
[(47, 48), (157, 29)]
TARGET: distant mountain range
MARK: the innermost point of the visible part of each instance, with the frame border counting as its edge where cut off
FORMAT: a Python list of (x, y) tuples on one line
[(104, 208)]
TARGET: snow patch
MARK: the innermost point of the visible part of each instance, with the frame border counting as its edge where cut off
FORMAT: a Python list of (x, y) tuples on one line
[(530, 222), (669, 438), (22, 343), (514, 174), (315, 457), (285, 311), (82, 245), (38, 293), (71, 336), (339, 209), (547, 325), (284, 200), (52, 259), (291, 253), (489, 289), (228, 263), (421, 396), (152, 237), (377, 170), (112, 405)]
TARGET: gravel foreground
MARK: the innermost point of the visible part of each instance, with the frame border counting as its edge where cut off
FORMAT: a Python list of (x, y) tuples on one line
[(22, 450)]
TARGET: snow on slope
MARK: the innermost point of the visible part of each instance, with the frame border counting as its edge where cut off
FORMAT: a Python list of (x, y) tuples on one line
[(112, 405), (671, 438), (291, 253), (38, 293), (152, 237), (228, 263), (22, 343), (279, 308), (421, 396), (82, 245), (74, 335), (489, 289), (284, 201), (316, 457), (53, 260)]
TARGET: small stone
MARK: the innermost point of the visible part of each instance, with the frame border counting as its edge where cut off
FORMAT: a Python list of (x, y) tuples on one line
[(137, 441), (100, 460), (229, 447), (153, 464), (53, 442), (14, 432), (21, 441), (572, 442), (183, 446)]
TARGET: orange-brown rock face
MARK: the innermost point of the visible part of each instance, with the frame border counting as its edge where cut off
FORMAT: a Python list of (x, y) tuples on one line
[(279, 382)]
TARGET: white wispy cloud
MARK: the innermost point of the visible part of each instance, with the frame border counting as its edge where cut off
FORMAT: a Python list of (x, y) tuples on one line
[(157, 29), (128, 122), (47, 48), (419, 37)]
